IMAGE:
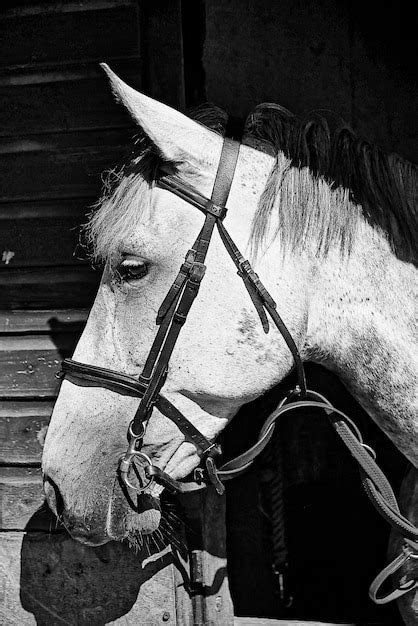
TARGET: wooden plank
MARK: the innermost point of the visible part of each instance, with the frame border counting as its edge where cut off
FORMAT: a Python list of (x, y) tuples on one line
[(205, 519), (38, 37), (29, 363), (71, 103), (43, 233), (23, 427), (42, 209), (78, 142), (21, 496), (110, 584), (67, 70), (59, 165), (46, 288), (51, 320), (43, 241)]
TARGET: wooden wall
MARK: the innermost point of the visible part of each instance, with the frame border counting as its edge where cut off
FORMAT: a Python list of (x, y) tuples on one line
[(60, 130)]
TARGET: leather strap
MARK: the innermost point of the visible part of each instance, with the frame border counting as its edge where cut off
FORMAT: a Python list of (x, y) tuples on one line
[(92, 376), (180, 300), (172, 315), (390, 569), (375, 482), (174, 310), (263, 300)]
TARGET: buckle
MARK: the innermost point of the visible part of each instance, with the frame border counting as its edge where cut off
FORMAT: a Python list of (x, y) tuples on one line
[(128, 461), (215, 209), (197, 272), (212, 471)]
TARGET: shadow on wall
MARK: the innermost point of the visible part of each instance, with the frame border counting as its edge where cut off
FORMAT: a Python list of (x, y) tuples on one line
[(65, 582)]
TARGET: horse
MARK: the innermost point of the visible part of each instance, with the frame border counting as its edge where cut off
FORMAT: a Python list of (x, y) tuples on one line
[(328, 221)]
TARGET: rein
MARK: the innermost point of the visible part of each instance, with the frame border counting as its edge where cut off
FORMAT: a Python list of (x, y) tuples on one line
[(171, 316)]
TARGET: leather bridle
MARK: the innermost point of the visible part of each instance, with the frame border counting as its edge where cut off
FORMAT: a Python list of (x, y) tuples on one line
[(172, 314)]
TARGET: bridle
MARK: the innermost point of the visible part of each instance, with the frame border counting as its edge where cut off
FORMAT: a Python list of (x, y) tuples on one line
[(172, 315)]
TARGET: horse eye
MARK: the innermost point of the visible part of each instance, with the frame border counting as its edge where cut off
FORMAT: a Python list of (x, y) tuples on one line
[(132, 269)]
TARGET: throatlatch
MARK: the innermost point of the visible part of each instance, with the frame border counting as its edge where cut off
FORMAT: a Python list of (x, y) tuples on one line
[(136, 468)]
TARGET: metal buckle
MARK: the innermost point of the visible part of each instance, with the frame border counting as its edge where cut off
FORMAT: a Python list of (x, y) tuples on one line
[(216, 210), (135, 436), (128, 460), (369, 450)]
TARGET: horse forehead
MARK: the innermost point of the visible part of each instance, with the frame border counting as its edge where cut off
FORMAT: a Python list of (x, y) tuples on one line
[(169, 211), (164, 221), (167, 218)]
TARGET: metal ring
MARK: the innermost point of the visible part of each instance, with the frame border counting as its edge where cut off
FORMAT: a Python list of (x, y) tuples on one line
[(410, 552), (126, 474), (133, 435), (408, 585), (369, 450)]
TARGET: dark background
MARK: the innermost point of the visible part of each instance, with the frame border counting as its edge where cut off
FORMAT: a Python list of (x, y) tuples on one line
[(60, 129)]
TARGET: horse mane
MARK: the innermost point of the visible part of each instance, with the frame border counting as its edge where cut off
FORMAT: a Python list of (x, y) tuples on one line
[(359, 178), (322, 181)]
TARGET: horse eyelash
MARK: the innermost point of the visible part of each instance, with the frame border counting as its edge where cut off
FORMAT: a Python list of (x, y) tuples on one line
[(132, 269)]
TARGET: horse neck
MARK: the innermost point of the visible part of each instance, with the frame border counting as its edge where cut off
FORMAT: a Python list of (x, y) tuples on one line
[(361, 321)]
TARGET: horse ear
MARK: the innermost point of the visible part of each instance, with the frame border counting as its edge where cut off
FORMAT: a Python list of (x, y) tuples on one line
[(177, 137)]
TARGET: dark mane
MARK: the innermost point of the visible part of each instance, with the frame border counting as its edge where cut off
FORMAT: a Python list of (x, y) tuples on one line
[(384, 185)]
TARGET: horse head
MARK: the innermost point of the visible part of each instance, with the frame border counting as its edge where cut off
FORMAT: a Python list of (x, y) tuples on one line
[(223, 357)]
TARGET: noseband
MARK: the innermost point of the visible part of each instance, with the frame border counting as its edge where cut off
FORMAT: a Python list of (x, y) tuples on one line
[(172, 314)]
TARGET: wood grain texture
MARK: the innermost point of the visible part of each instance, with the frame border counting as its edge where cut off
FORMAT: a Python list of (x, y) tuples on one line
[(56, 320), (96, 33), (29, 364), (58, 165), (43, 209), (42, 241), (21, 496), (46, 288), (205, 515), (76, 97), (23, 426)]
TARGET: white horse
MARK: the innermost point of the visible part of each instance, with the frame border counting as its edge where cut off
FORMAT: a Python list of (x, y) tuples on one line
[(329, 226)]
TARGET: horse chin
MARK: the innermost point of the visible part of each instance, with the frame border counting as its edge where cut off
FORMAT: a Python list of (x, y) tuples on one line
[(121, 525), (88, 538), (114, 520), (145, 518)]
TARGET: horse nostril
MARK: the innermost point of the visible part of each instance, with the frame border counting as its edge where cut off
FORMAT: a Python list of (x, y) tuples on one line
[(53, 496)]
